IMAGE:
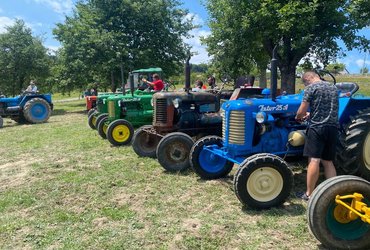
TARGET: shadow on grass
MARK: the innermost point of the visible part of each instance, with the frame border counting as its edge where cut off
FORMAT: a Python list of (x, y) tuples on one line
[(63, 112), (185, 172)]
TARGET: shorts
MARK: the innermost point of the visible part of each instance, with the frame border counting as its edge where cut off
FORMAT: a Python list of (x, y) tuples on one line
[(321, 142)]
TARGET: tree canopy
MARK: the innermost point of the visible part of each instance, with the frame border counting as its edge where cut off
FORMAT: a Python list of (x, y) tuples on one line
[(101, 36), (22, 58), (246, 31)]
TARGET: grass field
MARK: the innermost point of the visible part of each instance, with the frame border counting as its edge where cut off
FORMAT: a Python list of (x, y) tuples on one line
[(62, 186)]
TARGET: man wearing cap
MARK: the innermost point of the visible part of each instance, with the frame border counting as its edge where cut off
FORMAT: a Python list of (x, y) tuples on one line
[(32, 87)]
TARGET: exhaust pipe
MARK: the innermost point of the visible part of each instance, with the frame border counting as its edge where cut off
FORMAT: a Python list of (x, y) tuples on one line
[(274, 74), (187, 75)]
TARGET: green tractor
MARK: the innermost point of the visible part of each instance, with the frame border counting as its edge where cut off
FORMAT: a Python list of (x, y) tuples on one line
[(100, 110), (128, 111)]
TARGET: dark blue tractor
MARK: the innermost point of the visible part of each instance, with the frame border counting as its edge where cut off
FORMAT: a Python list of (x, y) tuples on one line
[(257, 134), (26, 108)]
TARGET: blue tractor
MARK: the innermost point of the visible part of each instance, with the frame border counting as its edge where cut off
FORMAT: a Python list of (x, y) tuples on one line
[(26, 108), (257, 134)]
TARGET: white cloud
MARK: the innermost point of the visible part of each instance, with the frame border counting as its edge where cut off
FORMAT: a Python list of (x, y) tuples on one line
[(199, 50), (361, 63), (52, 48), (59, 6), (4, 22)]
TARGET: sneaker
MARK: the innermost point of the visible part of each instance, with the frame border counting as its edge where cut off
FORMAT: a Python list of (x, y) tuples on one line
[(302, 195)]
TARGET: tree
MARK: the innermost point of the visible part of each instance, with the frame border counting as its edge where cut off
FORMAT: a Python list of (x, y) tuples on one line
[(364, 70), (335, 68), (99, 38), (22, 58), (299, 28)]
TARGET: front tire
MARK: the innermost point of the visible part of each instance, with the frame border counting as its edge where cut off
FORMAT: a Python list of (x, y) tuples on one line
[(207, 164), (102, 127), (98, 119), (91, 120), (145, 143), (353, 149), (91, 111), (327, 221), (173, 151), (36, 110), (120, 132), (263, 181)]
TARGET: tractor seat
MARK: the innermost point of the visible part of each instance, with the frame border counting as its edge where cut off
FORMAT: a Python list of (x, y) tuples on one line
[(346, 88)]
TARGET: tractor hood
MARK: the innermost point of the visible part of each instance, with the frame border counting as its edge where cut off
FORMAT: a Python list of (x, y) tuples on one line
[(286, 104), (198, 97)]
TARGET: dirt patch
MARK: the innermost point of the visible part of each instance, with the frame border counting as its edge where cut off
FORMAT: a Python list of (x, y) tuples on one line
[(13, 174), (192, 225)]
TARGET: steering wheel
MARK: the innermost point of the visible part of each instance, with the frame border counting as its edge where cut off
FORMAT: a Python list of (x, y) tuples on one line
[(322, 72)]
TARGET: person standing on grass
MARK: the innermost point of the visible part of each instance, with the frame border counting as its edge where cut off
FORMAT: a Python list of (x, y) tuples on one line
[(321, 98)]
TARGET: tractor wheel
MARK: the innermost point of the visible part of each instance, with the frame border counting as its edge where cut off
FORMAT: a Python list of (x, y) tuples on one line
[(120, 132), (145, 143), (330, 223), (207, 164), (173, 151), (353, 149), (91, 120), (102, 127), (263, 181), (98, 119), (36, 110), (1, 122), (91, 111)]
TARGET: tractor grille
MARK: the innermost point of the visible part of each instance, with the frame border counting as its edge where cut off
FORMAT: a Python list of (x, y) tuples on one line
[(160, 111), (111, 109), (236, 127)]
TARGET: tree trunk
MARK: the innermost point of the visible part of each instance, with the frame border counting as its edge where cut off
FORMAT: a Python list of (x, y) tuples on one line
[(113, 85), (288, 79), (263, 78)]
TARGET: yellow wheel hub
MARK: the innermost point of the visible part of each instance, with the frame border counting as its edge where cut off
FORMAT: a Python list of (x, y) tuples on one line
[(121, 133), (366, 150), (105, 128), (265, 184), (93, 121), (341, 214)]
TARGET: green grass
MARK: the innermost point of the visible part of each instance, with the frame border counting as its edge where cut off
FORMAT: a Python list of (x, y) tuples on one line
[(62, 186)]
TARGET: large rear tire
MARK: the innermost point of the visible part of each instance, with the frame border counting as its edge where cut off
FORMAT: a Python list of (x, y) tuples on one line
[(353, 149), (207, 164), (36, 110), (263, 181), (327, 221), (173, 151), (120, 132), (145, 143)]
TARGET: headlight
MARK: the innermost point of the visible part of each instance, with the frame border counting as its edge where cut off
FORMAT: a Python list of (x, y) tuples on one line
[(152, 102), (261, 117), (176, 102)]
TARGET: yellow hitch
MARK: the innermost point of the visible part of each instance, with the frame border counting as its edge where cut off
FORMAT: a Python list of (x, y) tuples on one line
[(345, 213)]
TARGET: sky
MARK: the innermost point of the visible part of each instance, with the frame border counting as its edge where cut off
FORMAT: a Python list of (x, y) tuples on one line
[(42, 16)]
